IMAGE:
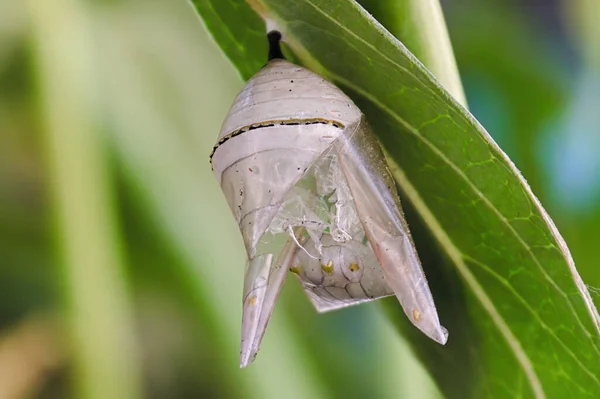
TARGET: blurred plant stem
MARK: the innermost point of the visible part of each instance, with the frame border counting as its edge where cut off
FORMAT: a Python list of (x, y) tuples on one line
[(584, 17), (163, 127), (99, 314), (421, 27)]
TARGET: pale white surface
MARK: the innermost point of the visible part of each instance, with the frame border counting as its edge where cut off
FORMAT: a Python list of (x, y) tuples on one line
[(379, 209), (345, 274), (283, 91)]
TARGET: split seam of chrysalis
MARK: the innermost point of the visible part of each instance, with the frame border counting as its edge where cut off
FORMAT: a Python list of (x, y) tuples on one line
[(271, 123)]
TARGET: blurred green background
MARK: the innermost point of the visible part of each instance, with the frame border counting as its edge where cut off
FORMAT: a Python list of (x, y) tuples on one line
[(120, 266)]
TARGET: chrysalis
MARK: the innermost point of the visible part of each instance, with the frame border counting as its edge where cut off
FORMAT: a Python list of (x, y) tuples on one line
[(309, 187)]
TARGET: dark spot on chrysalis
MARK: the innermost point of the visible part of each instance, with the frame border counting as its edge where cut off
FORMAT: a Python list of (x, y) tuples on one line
[(274, 38)]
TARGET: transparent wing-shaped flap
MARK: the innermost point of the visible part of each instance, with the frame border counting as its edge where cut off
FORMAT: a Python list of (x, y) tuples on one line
[(378, 206), (255, 289), (255, 188), (262, 284), (258, 168)]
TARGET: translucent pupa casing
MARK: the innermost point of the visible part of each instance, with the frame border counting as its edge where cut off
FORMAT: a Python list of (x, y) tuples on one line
[(307, 183)]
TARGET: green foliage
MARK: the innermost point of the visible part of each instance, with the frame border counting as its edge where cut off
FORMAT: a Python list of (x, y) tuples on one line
[(521, 321), (108, 111)]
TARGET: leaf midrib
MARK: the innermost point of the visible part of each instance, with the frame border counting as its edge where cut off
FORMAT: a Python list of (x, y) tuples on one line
[(520, 298), (457, 258)]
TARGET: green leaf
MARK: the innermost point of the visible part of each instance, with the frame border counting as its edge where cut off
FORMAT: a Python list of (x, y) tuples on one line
[(238, 30), (521, 321), (420, 25)]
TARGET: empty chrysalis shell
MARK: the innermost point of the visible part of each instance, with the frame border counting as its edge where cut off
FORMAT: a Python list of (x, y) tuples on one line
[(309, 187)]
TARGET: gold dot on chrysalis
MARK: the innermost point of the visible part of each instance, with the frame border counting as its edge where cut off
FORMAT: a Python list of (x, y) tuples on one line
[(252, 300), (416, 315), (295, 269), (353, 267), (328, 268)]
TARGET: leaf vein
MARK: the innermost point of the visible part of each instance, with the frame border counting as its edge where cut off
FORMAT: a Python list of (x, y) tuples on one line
[(505, 282)]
